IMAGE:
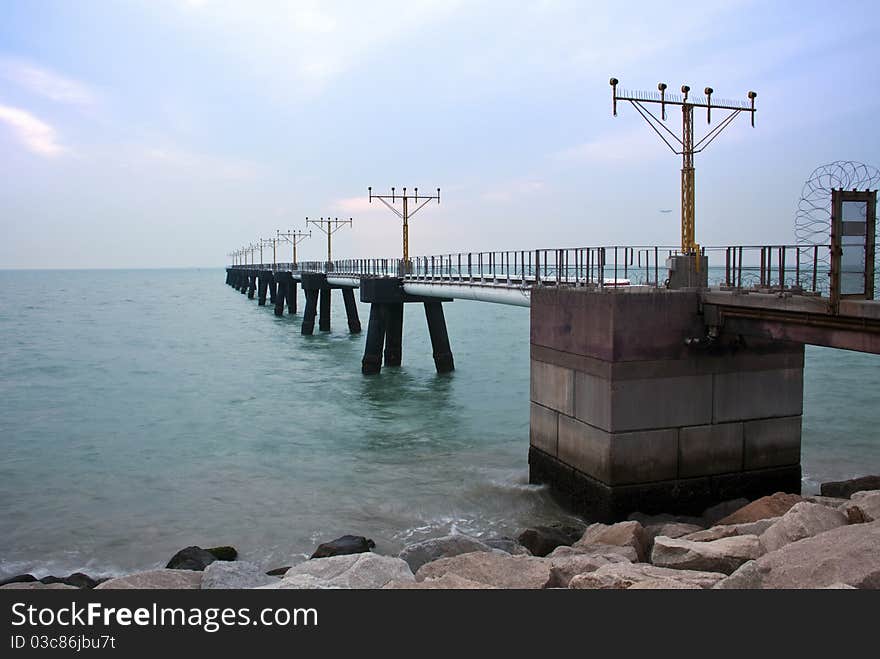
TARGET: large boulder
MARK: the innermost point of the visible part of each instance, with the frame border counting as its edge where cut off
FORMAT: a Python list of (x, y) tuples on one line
[(724, 555), (343, 546), (416, 555), (541, 540), (728, 530), (155, 580), (191, 558), (773, 505), (446, 582), (493, 568), (564, 567), (234, 575), (18, 578), (865, 506), (624, 575), (670, 530), (623, 534), (300, 582), (803, 520), (625, 552), (362, 570), (77, 580), (845, 489), (846, 554)]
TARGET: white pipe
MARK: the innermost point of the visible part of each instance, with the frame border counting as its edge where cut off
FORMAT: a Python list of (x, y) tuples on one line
[(348, 282), (519, 297)]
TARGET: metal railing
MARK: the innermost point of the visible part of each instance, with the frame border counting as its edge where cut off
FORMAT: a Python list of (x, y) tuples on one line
[(797, 269)]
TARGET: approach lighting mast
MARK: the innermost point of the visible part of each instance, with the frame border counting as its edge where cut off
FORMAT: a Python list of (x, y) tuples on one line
[(684, 145), (420, 202), (329, 226), (294, 238)]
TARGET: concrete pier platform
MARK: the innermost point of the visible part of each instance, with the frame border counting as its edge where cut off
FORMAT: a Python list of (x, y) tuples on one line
[(634, 408)]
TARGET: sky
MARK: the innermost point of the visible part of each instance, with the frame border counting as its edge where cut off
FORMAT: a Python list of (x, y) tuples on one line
[(167, 133)]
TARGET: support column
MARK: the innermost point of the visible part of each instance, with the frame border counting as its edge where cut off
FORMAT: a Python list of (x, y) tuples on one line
[(393, 333), (439, 337), (283, 283), (628, 415), (261, 291), (252, 285), (291, 296), (324, 318), (273, 286), (242, 283), (308, 324), (372, 361), (351, 311)]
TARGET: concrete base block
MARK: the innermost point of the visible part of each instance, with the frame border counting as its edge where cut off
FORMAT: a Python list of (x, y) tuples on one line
[(599, 502)]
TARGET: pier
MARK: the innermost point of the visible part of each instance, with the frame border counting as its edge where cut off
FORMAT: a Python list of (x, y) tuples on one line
[(650, 390)]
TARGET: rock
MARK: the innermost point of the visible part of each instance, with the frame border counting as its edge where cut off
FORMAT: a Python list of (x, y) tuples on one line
[(670, 530), (278, 571), (723, 555), (191, 558), (77, 580), (729, 530), (446, 582), (803, 520), (622, 534), (847, 554), (541, 540), (839, 586), (564, 567), (508, 545), (626, 552), (416, 555), (845, 489), (224, 553), (624, 575), (854, 514), (361, 570), (714, 513), (868, 504), (19, 578), (229, 575), (774, 505), (155, 579), (493, 568), (36, 585), (343, 546)]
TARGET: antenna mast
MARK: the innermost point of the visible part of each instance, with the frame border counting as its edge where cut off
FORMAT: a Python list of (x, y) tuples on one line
[(405, 214), (684, 145)]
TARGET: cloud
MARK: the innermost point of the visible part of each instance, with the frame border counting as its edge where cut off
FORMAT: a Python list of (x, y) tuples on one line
[(46, 83), (36, 135)]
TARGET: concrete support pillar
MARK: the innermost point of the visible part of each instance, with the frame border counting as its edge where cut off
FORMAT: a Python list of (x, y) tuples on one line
[(393, 333), (283, 284), (242, 283), (252, 285), (308, 324), (291, 296), (351, 311), (324, 317), (273, 286), (261, 290), (372, 361), (629, 415), (439, 337), (228, 276)]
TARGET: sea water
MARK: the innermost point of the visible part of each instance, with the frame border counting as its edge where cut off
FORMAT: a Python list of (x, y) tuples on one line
[(143, 411)]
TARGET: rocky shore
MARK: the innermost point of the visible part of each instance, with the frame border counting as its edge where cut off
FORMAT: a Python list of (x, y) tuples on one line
[(778, 541)]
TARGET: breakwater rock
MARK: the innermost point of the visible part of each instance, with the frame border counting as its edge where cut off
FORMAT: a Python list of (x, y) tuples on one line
[(778, 541)]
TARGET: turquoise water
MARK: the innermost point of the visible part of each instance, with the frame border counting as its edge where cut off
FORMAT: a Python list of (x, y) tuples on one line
[(143, 411)]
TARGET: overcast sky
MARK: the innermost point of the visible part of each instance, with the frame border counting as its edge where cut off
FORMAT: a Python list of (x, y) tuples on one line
[(162, 133)]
